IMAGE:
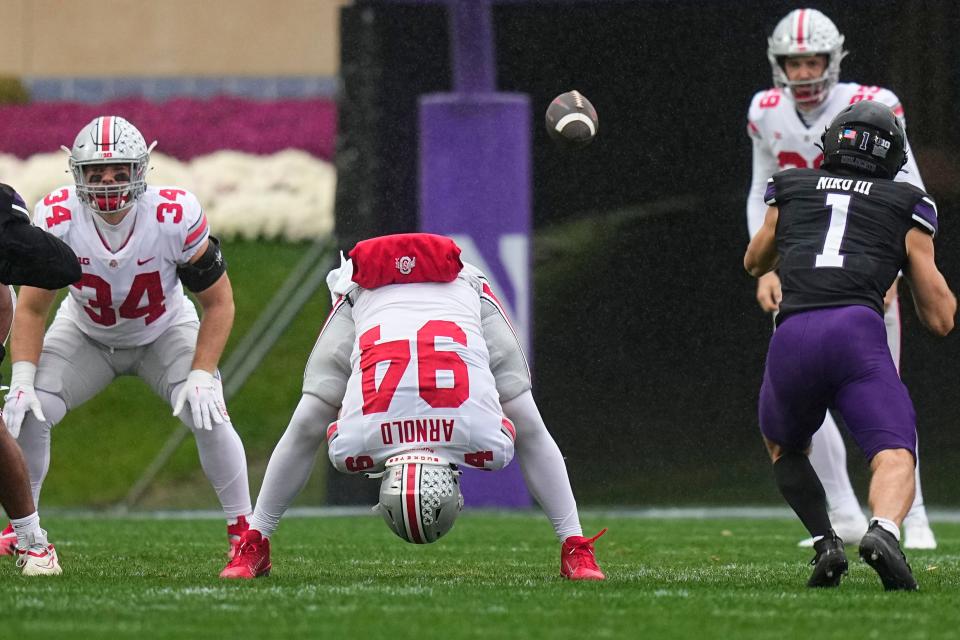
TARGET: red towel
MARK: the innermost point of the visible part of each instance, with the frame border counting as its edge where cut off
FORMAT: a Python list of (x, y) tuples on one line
[(405, 258)]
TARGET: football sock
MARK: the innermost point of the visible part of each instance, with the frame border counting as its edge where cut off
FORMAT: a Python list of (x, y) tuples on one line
[(917, 513), (828, 455), (23, 527), (225, 464), (34, 440), (543, 467), (292, 462), (801, 488), (889, 526)]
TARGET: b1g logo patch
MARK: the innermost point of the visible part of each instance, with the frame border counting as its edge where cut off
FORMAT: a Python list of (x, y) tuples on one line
[(406, 264)]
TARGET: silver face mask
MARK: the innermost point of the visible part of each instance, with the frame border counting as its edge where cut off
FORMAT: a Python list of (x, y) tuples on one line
[(110, 140)]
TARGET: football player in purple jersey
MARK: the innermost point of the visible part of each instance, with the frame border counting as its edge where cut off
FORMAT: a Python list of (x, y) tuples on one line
[(784, 124), (839, 235)]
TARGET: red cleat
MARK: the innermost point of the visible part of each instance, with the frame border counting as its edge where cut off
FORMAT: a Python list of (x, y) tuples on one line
[(577, 561), (234, 534), (8, 541), (252, 559)]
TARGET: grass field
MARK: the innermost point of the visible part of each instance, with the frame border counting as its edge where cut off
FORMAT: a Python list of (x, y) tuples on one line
[(494, 576)]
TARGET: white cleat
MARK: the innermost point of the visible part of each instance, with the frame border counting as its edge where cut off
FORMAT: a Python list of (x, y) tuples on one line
[(849, 527), (39, 559), (918, 536)]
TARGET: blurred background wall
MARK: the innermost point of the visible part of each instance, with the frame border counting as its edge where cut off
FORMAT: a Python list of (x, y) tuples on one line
[(648, 343), (51, 38)]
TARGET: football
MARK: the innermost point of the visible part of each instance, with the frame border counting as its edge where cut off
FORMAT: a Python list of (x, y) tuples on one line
[(572, 120)]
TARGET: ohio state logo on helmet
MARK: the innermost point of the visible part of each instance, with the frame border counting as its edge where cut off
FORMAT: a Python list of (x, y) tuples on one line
[(109, 140), (419, 500)]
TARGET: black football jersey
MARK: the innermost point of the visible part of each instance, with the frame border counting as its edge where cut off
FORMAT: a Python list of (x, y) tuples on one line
[(841, 239), (29, 255)]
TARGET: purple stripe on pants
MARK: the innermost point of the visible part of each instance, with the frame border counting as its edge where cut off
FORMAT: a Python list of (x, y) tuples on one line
[(835, 358)]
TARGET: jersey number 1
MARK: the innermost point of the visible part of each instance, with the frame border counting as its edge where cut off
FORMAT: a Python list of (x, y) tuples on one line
[(839, 206)]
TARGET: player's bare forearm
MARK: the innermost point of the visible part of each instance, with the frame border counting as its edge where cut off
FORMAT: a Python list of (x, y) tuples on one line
[(215, 324), (769, 292), (935, 303), (761, 256), (29, 323)]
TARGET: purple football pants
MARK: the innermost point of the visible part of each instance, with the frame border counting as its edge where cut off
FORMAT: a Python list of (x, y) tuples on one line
[(835, 358)]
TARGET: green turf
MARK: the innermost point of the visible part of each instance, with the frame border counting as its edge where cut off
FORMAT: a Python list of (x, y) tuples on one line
[(493, 577)]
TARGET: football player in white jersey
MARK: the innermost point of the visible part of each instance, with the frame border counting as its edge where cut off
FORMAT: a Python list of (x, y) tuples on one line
[(785, 124), (408, 362), (138, 246)]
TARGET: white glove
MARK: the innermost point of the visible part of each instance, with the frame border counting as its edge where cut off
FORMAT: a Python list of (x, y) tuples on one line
[(205, 396), (22, 397)]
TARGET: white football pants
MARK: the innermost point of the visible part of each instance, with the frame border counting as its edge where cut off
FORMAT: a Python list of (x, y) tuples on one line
[(73, 368), (325, 380)]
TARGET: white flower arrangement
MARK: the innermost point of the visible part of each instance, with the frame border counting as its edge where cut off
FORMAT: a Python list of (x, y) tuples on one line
[(288, 195)]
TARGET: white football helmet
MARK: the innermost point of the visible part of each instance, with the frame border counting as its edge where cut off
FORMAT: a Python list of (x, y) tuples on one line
[(420, 497), (805, 32), (110, 140)]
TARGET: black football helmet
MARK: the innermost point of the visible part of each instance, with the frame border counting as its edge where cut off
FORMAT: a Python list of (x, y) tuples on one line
[(865, 138)]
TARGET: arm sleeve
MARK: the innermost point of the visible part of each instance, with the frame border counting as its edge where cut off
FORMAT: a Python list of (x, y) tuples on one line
[(30, 256), (764, 166)]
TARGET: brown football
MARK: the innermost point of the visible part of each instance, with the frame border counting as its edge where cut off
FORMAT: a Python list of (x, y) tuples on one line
[(572, 120)]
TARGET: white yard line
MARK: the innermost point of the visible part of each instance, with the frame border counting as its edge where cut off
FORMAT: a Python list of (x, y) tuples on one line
[(652, 513)]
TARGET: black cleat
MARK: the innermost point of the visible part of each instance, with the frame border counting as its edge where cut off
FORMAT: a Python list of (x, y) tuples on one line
[(881, 551), (830, 563)]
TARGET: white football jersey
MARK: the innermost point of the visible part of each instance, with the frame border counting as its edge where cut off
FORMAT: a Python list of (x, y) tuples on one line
[(128, 297), (781, 140), (419, 354)]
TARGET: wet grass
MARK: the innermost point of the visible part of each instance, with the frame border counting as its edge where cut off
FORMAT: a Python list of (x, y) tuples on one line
[(493, 576)]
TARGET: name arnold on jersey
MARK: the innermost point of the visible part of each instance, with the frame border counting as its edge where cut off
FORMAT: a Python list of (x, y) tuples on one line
[(417, 431), (845, 184)]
